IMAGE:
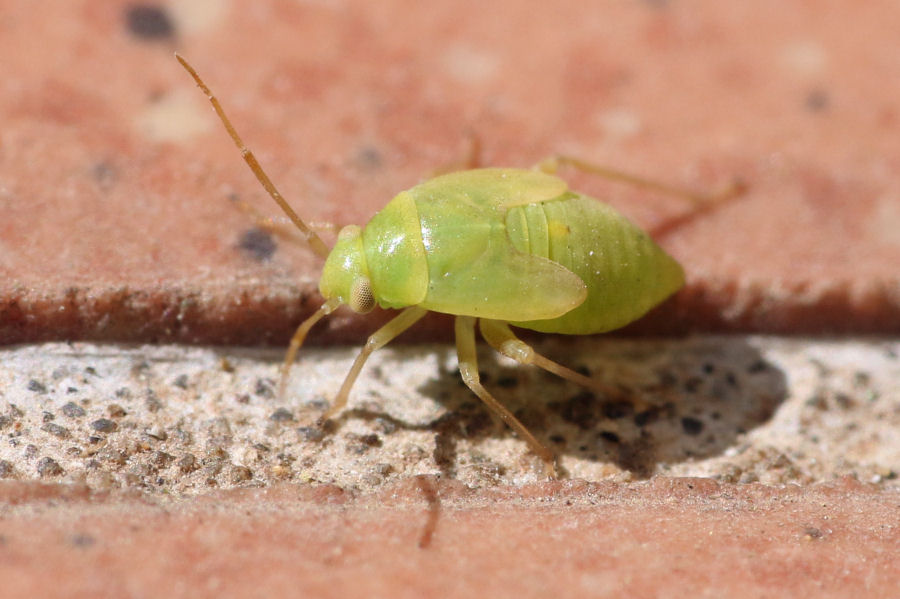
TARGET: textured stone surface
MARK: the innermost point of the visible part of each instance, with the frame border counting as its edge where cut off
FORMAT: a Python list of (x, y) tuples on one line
[(171, 420)]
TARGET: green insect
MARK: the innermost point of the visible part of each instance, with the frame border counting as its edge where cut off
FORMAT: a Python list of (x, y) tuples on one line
[(492, 246)]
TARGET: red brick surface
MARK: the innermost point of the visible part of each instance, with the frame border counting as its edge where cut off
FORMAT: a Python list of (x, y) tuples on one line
[(114, 172), (668, 538)]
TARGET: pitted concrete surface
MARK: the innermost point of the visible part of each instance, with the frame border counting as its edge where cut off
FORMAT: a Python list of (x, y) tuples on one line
[(177, 420)]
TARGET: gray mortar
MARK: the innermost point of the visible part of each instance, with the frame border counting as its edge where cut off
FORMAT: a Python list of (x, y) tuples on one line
[(180, 420)]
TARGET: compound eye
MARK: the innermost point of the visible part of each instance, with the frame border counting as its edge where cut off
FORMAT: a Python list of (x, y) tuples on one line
[(362, 299)]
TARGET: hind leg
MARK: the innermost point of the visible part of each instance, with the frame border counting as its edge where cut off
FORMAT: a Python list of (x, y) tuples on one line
[(468, 369), (501, 338), (698, 200)]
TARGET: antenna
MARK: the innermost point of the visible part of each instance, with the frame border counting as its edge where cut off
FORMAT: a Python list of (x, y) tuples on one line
[(314, 241)]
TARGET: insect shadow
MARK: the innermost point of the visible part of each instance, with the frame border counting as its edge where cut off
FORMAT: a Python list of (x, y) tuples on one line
[(680, 400)]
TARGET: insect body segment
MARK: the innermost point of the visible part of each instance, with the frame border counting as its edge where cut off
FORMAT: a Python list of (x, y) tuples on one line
[(494, 246), (475, 243), (626, 273)]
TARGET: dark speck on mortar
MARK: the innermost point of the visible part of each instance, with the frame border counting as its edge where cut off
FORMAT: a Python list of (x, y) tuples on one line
[(56, 430), (507, 382), (152, 403), (610, 436), (115, 410), (617, 409), (104, 425), (758, 366), (692, 384), (72, 410), (691, 426), (113, 456), (36, 386), (579, 410), (282, 415), (239, 474), (181, 381), (320, 405), (648, 416), (385, 426), (187, 463), (861, 379), (6, 468), (161, 458), (360, 444), (265, 388), (215, 454), (312, 434), (731, 379), (49, 467)]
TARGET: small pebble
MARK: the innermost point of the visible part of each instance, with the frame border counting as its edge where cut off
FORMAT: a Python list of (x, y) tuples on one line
[(282, 415), (115, 410), (187, 463), (239, 474), (49, 467), (56, 430), (104, 425), (72, 410), (36, 386)]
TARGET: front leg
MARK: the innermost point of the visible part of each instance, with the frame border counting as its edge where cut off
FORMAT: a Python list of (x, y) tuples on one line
[(377, 340)]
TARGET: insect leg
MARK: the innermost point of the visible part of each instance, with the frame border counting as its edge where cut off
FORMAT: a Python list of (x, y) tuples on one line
[(501, 338), (468, 369), (471, 159), (700, 201), (297, 341), (378, 339)]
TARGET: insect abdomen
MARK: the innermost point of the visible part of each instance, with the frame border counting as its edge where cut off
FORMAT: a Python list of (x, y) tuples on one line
[(625, 271)]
